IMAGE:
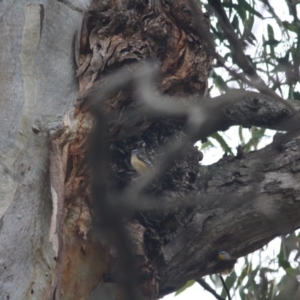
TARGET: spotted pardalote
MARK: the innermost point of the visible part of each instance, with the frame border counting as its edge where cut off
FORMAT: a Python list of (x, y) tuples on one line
[(224, 256), (140, 162)]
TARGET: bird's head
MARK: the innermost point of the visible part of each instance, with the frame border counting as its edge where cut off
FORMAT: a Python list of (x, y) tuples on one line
[(135, 151)]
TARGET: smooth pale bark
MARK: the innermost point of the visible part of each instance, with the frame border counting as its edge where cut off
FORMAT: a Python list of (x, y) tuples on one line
[(38, 86)]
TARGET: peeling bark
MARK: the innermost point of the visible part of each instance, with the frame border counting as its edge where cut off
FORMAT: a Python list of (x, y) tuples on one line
[(114, 36)]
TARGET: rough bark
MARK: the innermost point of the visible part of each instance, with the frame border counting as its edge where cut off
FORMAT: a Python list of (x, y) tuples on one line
[(244, 203), (180, 216), (114, 36)]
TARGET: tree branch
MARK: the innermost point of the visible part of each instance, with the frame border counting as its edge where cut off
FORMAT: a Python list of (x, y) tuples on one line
[(238, 54), (238, 107), (245, 199), (206, 116)]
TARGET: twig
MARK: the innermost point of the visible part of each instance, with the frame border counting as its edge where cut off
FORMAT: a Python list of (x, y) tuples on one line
[(208, 288), (238, 54), (225, 286)]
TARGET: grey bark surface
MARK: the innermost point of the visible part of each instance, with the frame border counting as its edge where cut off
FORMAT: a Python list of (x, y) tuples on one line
[(37, 88), (245, 203)]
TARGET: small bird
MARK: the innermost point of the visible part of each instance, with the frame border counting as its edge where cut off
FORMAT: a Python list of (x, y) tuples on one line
[(225, 257), (140, 162)]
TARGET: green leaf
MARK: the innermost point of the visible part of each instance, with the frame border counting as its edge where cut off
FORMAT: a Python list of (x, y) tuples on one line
[(241, 12), (291, 271), (296, 95), (284, 264), (245, 272), (290, 243), (272, 290), (245, 5), (222, 142), (242, 293), (257, 134), (281, 255), (207, 144), (241, 135), (270, 32), (218, 34), (290, 26), (235, 22), (249, 22), (219, 82), (251, 277), (272, 42), (187, 285)]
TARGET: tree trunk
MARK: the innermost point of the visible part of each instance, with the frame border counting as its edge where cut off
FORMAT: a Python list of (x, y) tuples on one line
[(111, 233), (38, 86)]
